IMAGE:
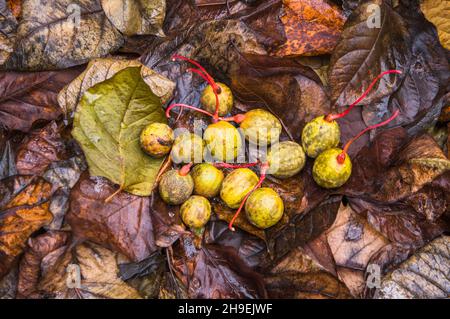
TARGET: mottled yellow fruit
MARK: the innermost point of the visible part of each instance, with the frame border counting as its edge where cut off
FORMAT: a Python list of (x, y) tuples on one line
[(223, 141), (286, 159), (236, 185), (261, 127), (188, 148), (196, 211), (320, 135), (208, 99), (328, 173), (207, 180), (174, 188), (264, 208), (156, 139)]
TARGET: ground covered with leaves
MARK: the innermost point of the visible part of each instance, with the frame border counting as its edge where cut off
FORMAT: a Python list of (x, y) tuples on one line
[(296, 58)]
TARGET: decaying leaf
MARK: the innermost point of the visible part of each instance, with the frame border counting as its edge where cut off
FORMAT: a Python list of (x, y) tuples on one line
[(99, 70), (26, 98), (214, 272), (312, 27), (134, 17), (24, 208), (369, 45), (8, 284), (98, 272), (107, 125), (124, 224), (60, 34), (437, 12), (424, 275), (8, 26), (7, 160), (40, 149)]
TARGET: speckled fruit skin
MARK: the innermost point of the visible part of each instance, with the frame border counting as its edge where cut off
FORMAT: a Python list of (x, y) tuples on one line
[(196, 211), (156, 139), (320, 135), (187, 148), (286, 159), (175, 189), (236, 185), (208, 99), (207, 180), (223, 141), (261, 127), (264, 208), (328, 173)]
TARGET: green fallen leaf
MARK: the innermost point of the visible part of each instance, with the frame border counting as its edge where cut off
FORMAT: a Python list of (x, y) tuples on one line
[(107, 125)]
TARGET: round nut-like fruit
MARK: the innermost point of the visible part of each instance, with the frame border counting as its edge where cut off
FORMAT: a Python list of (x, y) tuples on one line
[(223, 141), (156, 139), (285, 159), (174, 188), (328, 172), (236, 185), (207, 180), (208, 99), (264, 208), (187, 148), (261, 127), (320, 135), (196, 211)]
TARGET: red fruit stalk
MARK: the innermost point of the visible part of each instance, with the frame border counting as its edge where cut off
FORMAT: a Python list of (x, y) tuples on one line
[(331, 117), (341, 157)]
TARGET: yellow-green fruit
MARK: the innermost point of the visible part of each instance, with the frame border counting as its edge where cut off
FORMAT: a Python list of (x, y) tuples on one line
[(208, 99), (196, 211), (188, 148), (320, 135), (261, 127), (156, 139), (236, 185), (285, 159), (207, 180), (328, 172), (264, 208), (223, 141), (174, 188)]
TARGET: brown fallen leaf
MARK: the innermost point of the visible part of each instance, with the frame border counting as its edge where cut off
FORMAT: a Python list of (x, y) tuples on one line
[(424, 275), (312, 27), (24, 208), (98, 273), (298, 276), (437, 12), (214, 272), (8, 26), (30, 265), (124, 224), (26, 98), (39, 149)]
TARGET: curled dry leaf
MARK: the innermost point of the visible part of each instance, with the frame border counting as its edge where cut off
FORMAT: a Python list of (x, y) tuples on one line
[(24, 208), (8, 26), (123, 224), (99, 70), (437, 12), (214, 272), (26, 98), (424, 275), (39, 149), (45, 27), (312, 27), (99, 275), (30, 265), (136, 17), (107, 125)]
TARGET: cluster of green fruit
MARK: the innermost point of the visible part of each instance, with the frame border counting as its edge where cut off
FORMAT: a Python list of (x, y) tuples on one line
[(240, 189)]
